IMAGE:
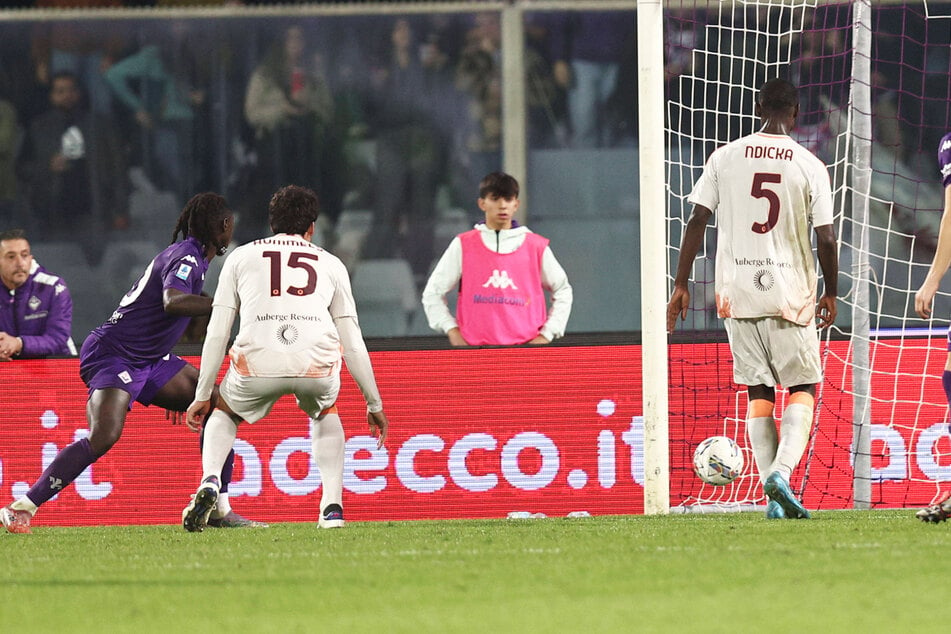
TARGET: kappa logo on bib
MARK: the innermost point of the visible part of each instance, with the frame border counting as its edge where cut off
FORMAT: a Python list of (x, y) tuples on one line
[(500, 279)]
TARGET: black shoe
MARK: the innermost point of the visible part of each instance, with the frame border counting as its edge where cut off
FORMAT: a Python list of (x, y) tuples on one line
[(332, 517), (195, 515)]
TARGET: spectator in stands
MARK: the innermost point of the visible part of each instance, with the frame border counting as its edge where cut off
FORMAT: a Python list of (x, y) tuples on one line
[(80, 47), (586, 49), (410, 89), (9, 138), (505, 270), (819, 53), (163, 102), (36, 315), (291, 108), (479, 79), (545, 100), (73, 169)]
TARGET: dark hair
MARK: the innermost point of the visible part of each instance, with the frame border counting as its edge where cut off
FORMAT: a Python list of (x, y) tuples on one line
[(292, 210), (12, 234), (65, 74), (200, 217), (778, 95), (498, 184)]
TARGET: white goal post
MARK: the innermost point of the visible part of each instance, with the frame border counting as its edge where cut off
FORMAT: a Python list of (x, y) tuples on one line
[(653, 196)]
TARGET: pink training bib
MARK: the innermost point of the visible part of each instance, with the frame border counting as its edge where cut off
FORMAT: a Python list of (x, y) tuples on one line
[(501, 300)]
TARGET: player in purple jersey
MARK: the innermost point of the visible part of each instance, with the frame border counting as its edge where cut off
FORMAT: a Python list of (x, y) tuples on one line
[(924, 298), (128, 358)]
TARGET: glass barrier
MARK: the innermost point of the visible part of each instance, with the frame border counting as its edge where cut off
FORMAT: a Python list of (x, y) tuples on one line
[(108, 124)]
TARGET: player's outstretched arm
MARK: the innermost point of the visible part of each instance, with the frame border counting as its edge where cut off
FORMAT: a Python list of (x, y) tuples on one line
[(184, 304), (827, 250), (939, 265), (689, 247), (358, 361), (677, 307), (379, 425), (197, 413)]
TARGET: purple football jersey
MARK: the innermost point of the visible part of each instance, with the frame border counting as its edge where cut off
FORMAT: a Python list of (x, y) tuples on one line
[(140, 329), (944, 159)]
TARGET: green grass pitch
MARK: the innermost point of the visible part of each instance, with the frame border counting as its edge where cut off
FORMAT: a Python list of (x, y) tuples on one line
[(842, 571)]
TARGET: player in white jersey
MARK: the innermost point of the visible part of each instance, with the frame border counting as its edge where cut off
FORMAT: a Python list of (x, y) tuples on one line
[(297, 319), (767, 190)]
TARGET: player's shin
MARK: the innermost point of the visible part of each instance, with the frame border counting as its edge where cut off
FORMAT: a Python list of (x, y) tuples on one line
[(794, 436), (220, 432), (327, 440), (71, 461), (761, 429), (763, 442)]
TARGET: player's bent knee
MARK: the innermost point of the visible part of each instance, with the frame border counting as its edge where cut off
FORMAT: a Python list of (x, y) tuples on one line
[(803, 394), (102, 438)]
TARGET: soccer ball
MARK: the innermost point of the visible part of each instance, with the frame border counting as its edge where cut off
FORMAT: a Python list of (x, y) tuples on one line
[(718, 460)]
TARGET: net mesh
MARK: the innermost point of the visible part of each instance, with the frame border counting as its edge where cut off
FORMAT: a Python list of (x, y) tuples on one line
[(717, 54)]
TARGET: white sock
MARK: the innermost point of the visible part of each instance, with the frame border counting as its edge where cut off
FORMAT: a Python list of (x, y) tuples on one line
[(327, 443), (220, 432), (24, 504), (763, 441), (793, 438), (222, 506)]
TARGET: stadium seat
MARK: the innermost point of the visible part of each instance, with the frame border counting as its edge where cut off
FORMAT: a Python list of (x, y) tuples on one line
[(153, 212), (450, 223), (123, 263), (352, 229), (386, 296), (60, 258), (355, 220), (92, 301)]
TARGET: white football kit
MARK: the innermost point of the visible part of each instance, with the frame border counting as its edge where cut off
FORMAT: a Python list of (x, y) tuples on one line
[(287, 291), (767, 191), (297, 319)]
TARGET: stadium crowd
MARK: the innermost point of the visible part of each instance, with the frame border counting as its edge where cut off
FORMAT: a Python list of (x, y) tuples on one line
[(357, 107), (108, 124)]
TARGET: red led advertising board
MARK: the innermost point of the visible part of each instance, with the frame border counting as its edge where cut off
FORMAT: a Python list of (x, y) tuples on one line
[(475, 433)]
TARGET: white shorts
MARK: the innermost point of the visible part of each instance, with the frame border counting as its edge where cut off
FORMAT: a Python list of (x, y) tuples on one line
[(252, 397), (772, 351)]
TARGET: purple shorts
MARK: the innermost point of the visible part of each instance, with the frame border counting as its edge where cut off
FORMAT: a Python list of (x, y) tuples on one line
[(101, 367)]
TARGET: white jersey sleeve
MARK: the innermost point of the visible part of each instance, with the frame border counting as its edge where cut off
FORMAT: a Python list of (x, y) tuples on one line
[(767, 192), (287, 291)]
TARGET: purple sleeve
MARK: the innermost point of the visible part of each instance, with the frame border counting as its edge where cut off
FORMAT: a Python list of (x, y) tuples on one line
[(58, 330), (184, 274), (944, 159)]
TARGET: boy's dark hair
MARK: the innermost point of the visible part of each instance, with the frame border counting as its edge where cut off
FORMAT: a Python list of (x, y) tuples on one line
[(200, 217), (293, 209), (778, 95), (12, 234), (65, 74), (498, 185)]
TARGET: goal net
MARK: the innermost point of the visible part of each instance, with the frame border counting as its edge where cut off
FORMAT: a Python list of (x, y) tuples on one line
[(874, 103)]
